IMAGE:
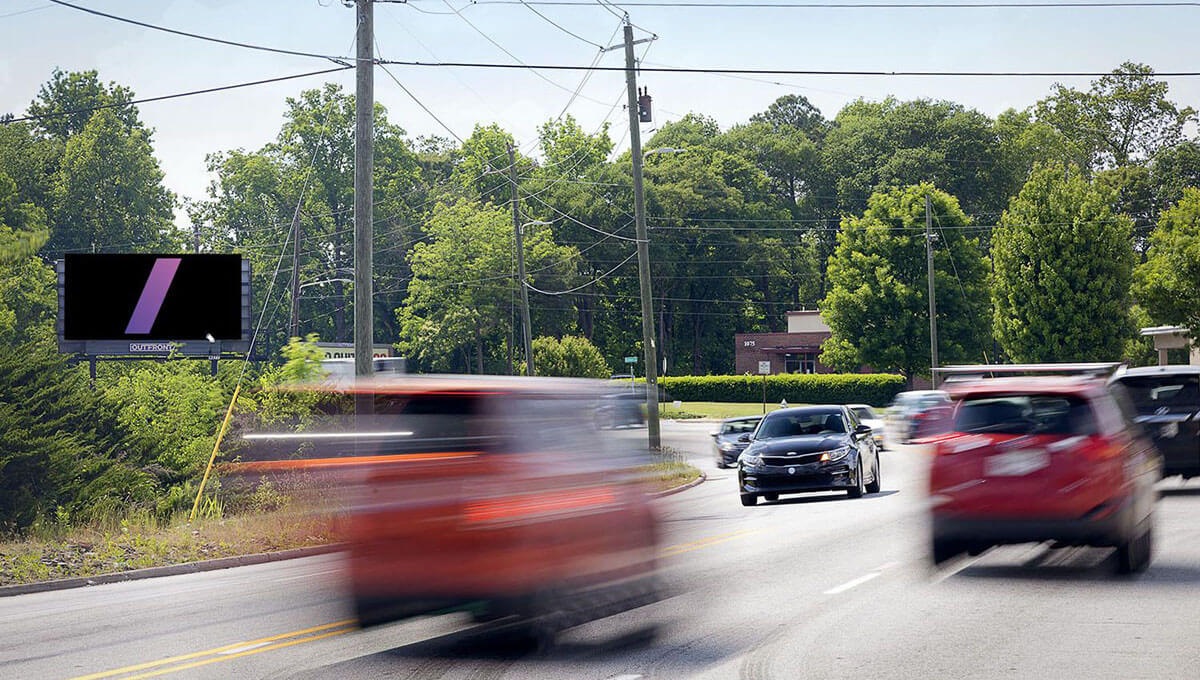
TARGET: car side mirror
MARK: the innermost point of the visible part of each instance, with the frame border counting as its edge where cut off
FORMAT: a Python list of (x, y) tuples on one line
[(862, 429), (745, 437), (714, 435)]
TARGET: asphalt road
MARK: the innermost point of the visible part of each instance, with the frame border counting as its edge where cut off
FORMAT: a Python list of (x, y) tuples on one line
[(815, 586)]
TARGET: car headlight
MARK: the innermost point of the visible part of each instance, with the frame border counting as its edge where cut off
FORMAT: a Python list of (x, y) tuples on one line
[(750, 460), (728, 446), (835, 455)]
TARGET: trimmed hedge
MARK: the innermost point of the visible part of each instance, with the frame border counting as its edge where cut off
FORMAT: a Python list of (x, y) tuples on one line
[(876, 389)]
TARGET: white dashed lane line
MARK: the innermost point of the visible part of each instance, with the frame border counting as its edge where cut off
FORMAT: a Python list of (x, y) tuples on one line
[(860, 580)]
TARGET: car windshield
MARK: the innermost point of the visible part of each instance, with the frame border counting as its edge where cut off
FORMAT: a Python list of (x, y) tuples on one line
[(1026, 414), (799, 424), (738, 426), (1175, 393)]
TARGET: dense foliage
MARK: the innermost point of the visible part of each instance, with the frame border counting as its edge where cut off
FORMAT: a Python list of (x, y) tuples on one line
[(829, 388), (791, 209)]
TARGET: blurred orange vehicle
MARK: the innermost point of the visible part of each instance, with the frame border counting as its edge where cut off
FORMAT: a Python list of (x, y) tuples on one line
[(495, 496)]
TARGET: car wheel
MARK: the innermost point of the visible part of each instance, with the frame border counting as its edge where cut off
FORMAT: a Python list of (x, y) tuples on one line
[(749, 499), (944, 550), (859, 488), (877, 483), (721, 464), (1133, 555), (772, 497)]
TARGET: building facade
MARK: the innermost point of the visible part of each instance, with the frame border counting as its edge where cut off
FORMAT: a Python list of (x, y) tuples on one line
[(796, 351)]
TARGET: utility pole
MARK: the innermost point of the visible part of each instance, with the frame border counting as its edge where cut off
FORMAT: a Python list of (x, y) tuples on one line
[(294, 321), (643, 248), (526, 326), (364, 167), (933, 342)]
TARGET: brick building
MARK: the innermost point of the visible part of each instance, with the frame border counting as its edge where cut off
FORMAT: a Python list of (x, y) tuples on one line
[(795, 351)]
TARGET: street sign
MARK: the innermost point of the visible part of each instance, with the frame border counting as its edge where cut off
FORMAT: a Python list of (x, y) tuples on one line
[(764, 367), (631, 360)]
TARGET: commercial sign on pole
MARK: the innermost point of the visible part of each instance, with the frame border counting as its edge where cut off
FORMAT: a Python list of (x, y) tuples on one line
[(345, 350)]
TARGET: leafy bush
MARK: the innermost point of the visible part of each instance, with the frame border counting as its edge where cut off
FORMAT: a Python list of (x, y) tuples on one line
[(876, 389), (572, 357)]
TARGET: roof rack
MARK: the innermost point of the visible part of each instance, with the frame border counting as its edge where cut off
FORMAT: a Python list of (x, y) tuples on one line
[(980, 371)]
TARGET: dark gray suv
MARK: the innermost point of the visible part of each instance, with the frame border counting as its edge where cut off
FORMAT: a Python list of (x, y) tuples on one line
[(1167, 399)]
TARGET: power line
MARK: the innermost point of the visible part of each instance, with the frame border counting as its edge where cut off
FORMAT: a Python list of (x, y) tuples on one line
[(847, 5), (794, 72), (233, 43), (560, 27), (174, 96)]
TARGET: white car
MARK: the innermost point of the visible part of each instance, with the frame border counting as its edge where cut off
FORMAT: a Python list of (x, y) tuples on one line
[(867, 416)]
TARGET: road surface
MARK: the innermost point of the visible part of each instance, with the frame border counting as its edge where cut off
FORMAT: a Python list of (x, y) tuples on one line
[(815, 586)]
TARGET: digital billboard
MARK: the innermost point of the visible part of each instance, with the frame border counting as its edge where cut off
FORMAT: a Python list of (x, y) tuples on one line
[(133, 303)]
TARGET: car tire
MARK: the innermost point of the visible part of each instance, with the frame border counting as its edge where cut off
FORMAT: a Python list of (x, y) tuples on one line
[(944, 550), (877, 483), (749, 500), (770, 497), (721, 464), (859, 488), (1134, 554)]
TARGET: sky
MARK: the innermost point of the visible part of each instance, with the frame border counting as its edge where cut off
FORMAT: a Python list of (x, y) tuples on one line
[(37, 36)]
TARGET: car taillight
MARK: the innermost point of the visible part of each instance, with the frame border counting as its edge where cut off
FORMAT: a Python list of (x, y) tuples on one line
[(1090, 448)]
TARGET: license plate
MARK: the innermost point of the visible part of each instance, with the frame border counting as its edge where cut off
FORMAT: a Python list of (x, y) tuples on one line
[(1015, 463)]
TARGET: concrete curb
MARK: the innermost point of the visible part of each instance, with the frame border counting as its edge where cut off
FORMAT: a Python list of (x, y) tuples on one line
[(683, 487), (168, 570), (220, 563)]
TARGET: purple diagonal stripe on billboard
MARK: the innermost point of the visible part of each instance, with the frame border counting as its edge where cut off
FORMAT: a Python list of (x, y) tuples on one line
[(153, 294)]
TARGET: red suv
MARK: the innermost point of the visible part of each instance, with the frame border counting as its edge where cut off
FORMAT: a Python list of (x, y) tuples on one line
[(1048, 458)]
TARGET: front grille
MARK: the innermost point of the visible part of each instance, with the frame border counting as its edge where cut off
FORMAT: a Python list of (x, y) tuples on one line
[(802, 459)]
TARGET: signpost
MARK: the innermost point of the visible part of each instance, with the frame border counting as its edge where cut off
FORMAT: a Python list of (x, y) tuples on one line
[(631, 361), (764, 369)]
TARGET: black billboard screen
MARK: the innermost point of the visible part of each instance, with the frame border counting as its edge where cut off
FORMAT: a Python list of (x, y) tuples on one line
[(159, 297)]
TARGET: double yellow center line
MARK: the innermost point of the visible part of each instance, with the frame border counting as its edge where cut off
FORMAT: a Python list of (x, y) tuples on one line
[(183, 662), (236, 650)]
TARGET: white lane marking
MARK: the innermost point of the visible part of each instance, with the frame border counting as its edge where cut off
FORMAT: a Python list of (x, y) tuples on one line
[(853, 584), (629, 676)]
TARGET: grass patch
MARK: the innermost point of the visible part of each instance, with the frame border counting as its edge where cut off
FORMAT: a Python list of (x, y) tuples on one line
[(669, 474), (714, 410), (96, 550)]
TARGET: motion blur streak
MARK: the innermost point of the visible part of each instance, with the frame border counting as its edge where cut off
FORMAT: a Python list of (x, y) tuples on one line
[(227, 652), (317, 463)]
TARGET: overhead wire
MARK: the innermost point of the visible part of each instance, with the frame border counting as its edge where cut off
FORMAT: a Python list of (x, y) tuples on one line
[(177, 95), (343, 60)]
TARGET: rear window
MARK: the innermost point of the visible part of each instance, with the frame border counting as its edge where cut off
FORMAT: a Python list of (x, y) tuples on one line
[(1026, 414), (738, 426), (864, 413), (1153, 393)]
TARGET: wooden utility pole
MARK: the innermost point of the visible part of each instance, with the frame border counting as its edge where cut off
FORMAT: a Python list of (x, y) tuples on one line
[(364, 166), (933, 341), (294, 320), (526, 325), (643, 248)]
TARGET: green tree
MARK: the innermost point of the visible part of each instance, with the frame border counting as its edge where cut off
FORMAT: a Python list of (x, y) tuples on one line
[(876, 145), (108, 194), (878, 303), (66, 104), (22, 225), (1062, 269), (310, 166), (1168, 284), (461, 296), (572, 357), (1124, 117)]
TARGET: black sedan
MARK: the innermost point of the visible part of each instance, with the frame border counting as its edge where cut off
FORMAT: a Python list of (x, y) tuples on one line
[(809, 448), (728, 442)]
